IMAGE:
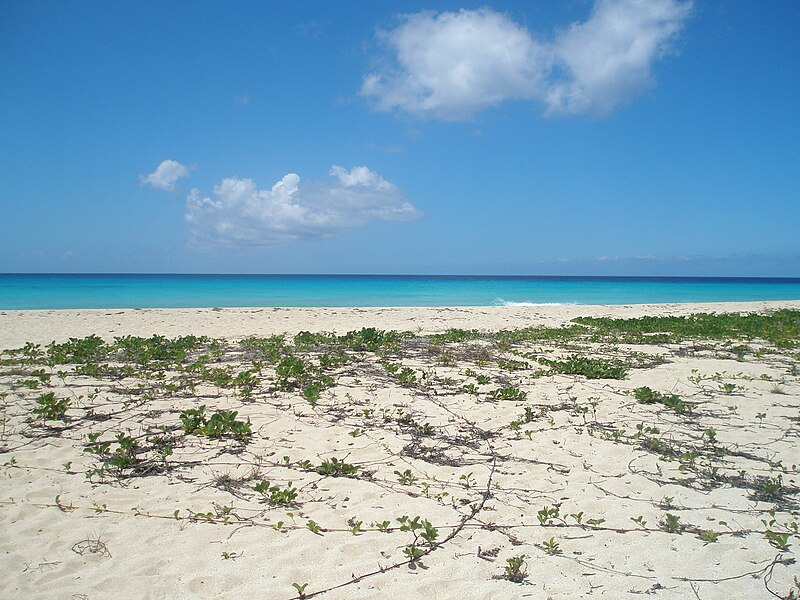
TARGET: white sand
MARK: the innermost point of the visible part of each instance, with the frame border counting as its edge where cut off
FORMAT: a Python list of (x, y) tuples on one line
[(43, 326), (123, 541)]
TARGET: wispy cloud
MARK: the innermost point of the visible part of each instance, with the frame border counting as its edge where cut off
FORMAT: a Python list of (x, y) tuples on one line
[(165, 176), (452, 65), (239, 213)]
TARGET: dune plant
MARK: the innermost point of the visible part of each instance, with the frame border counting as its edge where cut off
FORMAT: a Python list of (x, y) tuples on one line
[(276, 495), (516, 568), (50, 408), (333, 467), (223, 423)]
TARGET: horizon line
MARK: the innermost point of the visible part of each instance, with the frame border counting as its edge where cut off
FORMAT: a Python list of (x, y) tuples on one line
[(398, 275)]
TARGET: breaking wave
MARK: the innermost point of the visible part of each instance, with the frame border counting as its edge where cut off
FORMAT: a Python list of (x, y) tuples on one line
[(501, 302)]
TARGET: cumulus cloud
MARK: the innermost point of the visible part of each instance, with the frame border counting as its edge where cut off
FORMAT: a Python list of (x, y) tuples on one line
[(609, 57), (239, 213), (453, 64), (166, 175)]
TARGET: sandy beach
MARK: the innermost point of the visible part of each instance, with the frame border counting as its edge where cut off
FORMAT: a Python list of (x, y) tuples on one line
[(439, 464)]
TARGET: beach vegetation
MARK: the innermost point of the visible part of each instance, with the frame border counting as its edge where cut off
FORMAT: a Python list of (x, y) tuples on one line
[(470, 388), (75, 351), (123, 459), (508, 393), (547, 515), (222, 423), (405, 376), (516, 568), (768, 489), (780, 327), (708, 536), (591, 368), (551, 547), (50, 408), (333, 467), (513, 365), (456, 336), (432, 432), (276, 495), (313, 527), (672, 523), (156, 349), (645, 395), (300, 588), (269, 349), (406, 477)]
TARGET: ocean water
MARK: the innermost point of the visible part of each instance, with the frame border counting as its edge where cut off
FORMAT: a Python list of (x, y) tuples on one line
[(54, 291)]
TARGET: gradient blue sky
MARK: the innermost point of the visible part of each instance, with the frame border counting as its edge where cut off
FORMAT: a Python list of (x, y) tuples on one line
[(613, 137)]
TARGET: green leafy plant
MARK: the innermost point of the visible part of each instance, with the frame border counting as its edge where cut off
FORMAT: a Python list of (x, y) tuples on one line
[(406, 477), (710, 435), (223, 423), (355, 525), (547, 514), (276, 495), (313, 527), (672, 523), (91, 349), (50, 408), (708, 536), (470, 388), (420, 528), (333, 467), (97, 448), (591, 368), (778, 540), (513, 365), (425, 430), (551, 547), (413, 553), (406, 377), (645, 395), (768, 489), (301, 589), (508, 393), (124, 456), (516, 569), (383, 526)]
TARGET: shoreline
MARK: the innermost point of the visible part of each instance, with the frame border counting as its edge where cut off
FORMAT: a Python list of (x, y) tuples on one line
[(18, 327)]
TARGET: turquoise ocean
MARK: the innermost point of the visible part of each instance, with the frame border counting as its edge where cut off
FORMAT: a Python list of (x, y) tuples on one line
[(59, 291)]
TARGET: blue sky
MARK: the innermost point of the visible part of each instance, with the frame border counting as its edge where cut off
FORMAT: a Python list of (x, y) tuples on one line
[(619, 137)]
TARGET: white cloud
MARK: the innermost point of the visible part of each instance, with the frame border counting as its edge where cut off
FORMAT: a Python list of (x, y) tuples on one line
[(452, 65), (240, 213), (609, 58), (166, 175)]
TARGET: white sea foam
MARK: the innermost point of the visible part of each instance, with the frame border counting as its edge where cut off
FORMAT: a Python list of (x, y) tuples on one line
[(501, 302)]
